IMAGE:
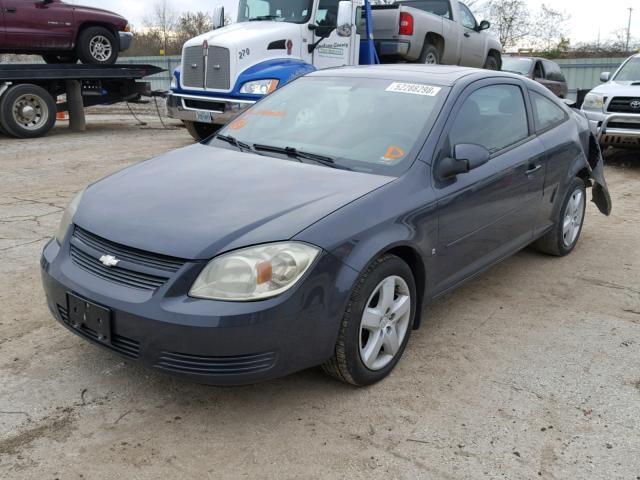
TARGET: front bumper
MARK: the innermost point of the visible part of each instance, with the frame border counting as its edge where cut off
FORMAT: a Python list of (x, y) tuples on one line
[(126, 39), (614, 129), (220, 343), (203, 109)]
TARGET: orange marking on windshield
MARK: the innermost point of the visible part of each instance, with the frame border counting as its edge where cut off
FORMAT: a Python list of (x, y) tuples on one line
[(394, 153), (268, 113), (238, 124)]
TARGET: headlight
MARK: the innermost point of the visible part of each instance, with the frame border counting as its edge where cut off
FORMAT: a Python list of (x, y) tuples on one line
[(259, 87), (593, 101), (174, 82), (67, 218), (255, 273)]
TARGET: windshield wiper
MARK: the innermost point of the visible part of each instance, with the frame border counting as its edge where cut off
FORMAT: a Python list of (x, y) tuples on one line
[(299, 155), (263, 17), (235, 142)]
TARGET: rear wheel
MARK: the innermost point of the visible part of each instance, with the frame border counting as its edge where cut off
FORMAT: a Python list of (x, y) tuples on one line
[(97, 45), (54, 59), (27, 111), (376, 325), (430, 55), (201, 131), (565, 234)]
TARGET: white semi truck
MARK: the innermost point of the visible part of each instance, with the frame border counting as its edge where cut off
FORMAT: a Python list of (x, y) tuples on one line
[(276, 41)]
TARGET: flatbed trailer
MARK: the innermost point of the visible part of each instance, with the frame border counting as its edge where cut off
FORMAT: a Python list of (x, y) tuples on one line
[(29, 93)]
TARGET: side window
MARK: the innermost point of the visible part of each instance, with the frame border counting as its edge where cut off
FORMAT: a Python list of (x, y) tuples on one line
[(494, 117), (466, 17), (546, 113), (553, 72), (327, 14)]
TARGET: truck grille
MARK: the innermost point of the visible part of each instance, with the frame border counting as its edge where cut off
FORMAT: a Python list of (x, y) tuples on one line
[(193, 67), (218, 72), (623, 105)]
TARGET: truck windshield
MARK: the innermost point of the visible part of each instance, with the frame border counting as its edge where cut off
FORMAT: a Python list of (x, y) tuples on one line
[(295, 11), (516, 65), (630, 72), (367, 125)]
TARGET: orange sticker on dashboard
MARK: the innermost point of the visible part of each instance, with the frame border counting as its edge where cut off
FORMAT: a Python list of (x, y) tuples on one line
[(238, 124), (394, 153), (267, 113)]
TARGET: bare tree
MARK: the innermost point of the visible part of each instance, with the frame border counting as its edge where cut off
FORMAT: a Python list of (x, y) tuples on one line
[(510, 20), (192, 24), (162, 20), (549, 29)]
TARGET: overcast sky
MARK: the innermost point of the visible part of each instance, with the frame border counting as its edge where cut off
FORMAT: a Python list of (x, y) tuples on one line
[(587, 16)]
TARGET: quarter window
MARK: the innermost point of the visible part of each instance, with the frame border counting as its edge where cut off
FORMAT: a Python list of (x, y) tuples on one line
[(467, 19), (546, 113), (494, 117)]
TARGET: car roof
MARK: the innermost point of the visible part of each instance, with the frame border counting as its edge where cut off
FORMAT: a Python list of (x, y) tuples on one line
[(438, 74)]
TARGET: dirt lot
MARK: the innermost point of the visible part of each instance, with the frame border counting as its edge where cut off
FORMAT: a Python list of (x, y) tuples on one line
[(530, 371)]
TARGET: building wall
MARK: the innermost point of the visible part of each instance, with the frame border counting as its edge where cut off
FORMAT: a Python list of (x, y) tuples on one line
[(584, 73)]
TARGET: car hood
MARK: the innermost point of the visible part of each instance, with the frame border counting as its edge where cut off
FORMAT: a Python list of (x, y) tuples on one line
[(200, 201), (624, 89), (86, 9)]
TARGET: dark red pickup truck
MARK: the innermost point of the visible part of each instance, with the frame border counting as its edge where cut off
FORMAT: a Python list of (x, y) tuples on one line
[(61, 32)]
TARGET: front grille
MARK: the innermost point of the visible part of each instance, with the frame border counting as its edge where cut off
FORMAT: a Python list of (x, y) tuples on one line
[(201, 365), (624, 125), (218, 69), (623, 105), (138, 257), (204, 105), (193, 67), (118, 275), (123, 345)]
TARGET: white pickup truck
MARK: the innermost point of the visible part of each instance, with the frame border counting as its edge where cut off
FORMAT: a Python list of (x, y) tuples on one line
[(434, 31)]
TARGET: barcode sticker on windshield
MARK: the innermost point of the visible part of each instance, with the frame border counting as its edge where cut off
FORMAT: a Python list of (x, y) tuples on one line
[(414, 88)]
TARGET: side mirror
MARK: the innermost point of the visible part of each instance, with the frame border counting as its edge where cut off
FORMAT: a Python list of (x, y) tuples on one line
[(484, 25), (218, 16), (345, 18), (466, 157), (605, 76)]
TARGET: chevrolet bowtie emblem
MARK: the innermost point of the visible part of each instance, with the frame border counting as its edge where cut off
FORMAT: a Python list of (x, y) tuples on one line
[(109, 261)]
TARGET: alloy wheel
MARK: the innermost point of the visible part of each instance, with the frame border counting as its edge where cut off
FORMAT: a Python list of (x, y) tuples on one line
[(100, 48), (573, 218)]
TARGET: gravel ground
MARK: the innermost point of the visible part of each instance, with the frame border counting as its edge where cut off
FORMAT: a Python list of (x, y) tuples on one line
[(530, 371)]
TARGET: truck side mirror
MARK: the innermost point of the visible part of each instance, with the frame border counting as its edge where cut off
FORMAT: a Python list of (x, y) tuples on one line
[(605, 76), (218, 16), (484, 25), (345, 18)]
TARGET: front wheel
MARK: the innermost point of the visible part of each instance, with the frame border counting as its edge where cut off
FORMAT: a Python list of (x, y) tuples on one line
[(569, 221), (376, 325), (27, 111), (97, 45), (201, 131), (491, 63)]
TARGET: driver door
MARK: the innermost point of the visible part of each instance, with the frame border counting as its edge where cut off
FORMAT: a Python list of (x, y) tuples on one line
[(473, 54), (35, 25), (334, 50)]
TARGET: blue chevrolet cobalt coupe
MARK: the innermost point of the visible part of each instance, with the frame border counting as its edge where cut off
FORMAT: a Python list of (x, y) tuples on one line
[(314, 228)]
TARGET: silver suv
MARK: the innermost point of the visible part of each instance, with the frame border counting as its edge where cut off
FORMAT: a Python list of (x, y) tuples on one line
[(613, 109)]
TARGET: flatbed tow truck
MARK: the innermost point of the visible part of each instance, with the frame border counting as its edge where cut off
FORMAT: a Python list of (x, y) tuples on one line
[(29, 93)]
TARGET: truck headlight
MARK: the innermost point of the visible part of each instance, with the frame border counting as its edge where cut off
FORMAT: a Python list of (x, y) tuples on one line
[(593, 101), (259, 87), (254, 273), (174, 82), (67, 217)]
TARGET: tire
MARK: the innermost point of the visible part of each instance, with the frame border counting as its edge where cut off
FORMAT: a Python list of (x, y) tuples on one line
[(491, 63), (562, 239), (201, 131), (350, 362), (57, 59), (430, 55), (27, 111), (98, 46)]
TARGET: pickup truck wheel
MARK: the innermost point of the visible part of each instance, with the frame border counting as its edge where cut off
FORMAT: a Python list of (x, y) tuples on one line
[(54, 59), (97, 45), (201, 131), (27, 111), (491, 63), (376, 325), (569, 221), (430, 55)]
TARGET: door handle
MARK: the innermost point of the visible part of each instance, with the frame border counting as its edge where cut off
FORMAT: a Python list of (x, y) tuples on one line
[(10, 10), (533, 169), (467, 34)]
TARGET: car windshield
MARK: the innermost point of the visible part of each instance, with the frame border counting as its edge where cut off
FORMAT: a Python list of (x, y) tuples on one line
[(630, 72), (516, 65), (362, 124), (295, 11)]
